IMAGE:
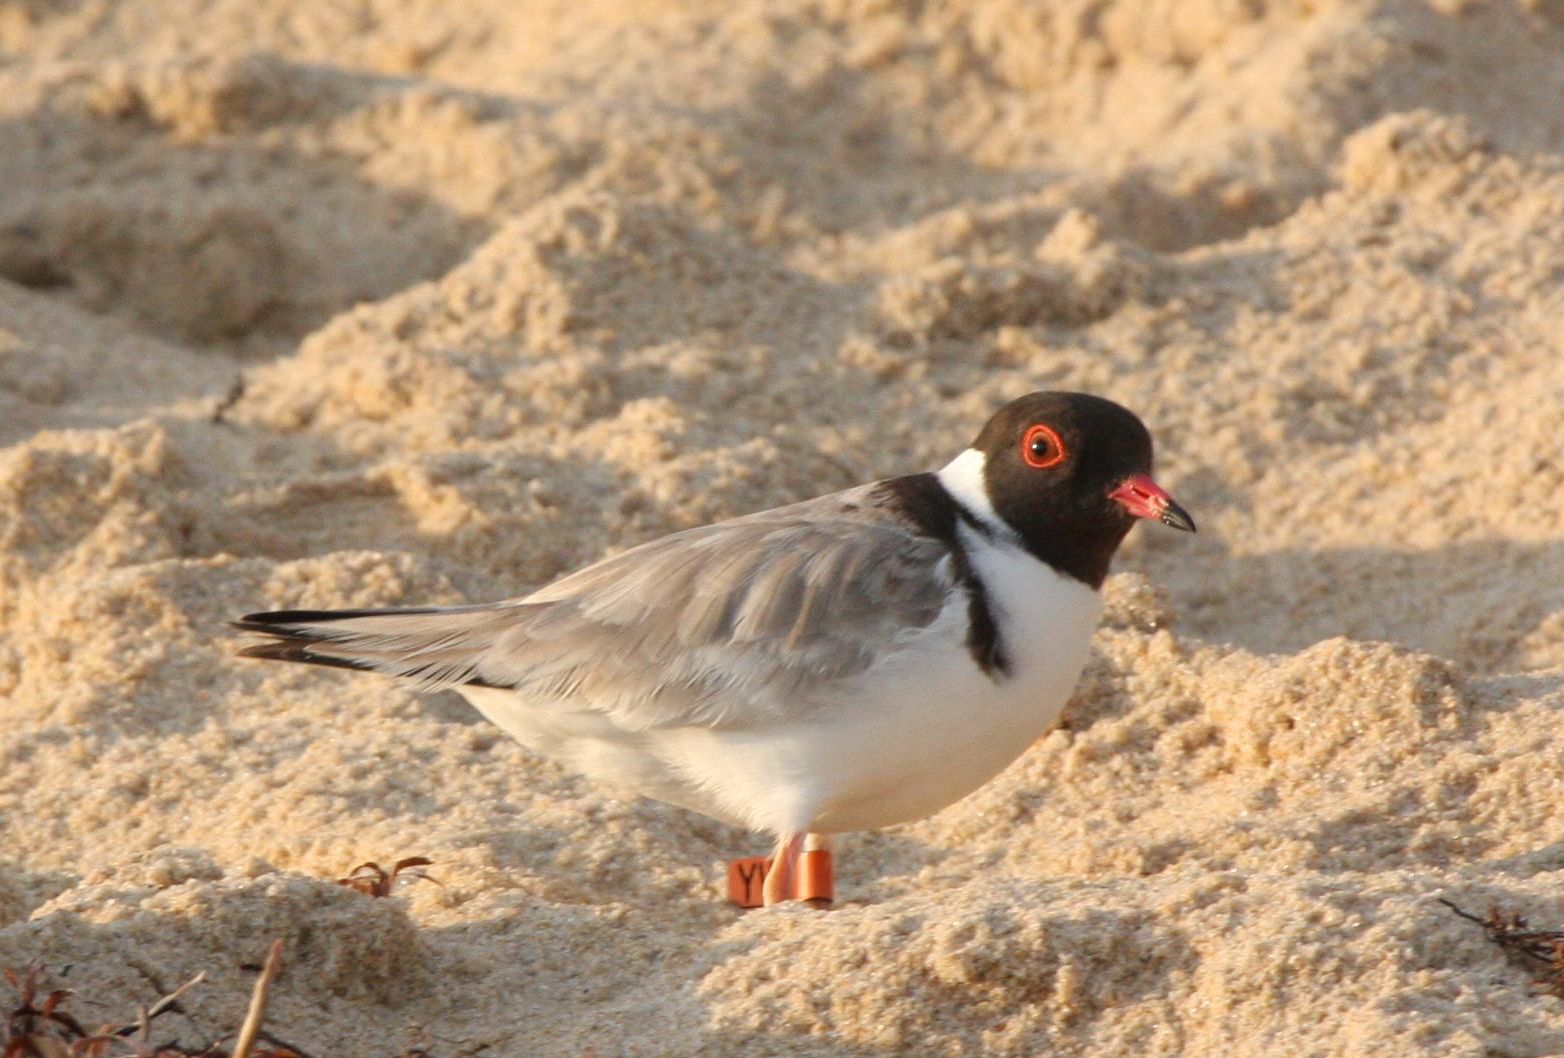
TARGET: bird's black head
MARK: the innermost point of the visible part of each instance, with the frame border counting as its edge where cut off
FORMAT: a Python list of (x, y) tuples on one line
[(1070, 473)]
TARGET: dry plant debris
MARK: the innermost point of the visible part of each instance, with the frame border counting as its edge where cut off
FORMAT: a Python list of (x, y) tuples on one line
[(41, 1027), (371, 879), (44, 1029), (38, 1028), (1511, 932)]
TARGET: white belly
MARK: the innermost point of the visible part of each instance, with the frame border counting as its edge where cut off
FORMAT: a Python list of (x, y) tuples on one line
[(924, 729), (915, 733)]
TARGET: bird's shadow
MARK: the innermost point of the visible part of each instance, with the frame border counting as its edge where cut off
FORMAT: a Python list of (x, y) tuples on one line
[(1490, 606)]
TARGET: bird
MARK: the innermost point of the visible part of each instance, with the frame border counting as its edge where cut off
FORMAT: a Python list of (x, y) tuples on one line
[(849, 662)]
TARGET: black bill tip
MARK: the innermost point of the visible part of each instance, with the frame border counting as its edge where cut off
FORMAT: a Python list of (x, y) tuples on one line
[(1176, 517)]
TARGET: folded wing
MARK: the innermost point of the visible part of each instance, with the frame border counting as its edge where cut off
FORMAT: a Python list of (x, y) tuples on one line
[(720, 626)]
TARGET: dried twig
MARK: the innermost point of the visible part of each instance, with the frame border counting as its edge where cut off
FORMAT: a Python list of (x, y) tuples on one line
[(234, 395), (162, 1006), (1511, 933), (371, 879), (257, 1011)]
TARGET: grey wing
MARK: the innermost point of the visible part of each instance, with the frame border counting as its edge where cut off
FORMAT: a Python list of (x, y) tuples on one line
[(719, 626)]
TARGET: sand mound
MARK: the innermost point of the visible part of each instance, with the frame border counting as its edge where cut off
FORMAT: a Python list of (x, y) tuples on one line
[(310, 305)]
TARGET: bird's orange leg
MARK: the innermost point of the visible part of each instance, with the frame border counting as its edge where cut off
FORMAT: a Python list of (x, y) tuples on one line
[(801, 869), (784, 870)]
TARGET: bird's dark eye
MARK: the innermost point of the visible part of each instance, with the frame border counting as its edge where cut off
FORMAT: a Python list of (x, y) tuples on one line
[(1041, 447)]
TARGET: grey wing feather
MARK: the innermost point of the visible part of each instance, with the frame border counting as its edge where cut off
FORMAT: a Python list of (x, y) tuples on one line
[(722, 625)]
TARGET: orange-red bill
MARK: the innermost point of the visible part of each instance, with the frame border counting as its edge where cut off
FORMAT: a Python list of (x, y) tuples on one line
[(1144, 498)]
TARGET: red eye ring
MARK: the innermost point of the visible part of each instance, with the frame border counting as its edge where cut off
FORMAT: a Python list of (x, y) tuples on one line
[(1050, 459)]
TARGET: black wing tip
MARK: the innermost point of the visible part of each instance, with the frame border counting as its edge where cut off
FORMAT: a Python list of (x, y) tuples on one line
[(267, 624), (290, 650), (277, 650), (293, 632), (277, 617), (285, 622), (290, 640), (268, 618)]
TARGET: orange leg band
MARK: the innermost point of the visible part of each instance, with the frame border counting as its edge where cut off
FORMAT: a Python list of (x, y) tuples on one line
[(815, 881), (745, 879)]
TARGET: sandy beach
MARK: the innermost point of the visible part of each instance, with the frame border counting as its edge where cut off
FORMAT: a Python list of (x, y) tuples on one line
[(393, 302)]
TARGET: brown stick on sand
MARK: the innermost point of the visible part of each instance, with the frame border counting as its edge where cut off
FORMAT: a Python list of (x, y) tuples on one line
[(257, 1011)]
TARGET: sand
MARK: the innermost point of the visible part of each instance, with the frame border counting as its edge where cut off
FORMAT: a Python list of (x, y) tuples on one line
[(399, 302)]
